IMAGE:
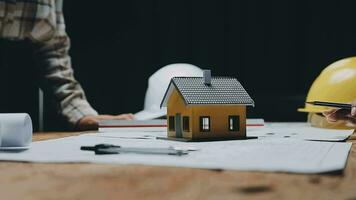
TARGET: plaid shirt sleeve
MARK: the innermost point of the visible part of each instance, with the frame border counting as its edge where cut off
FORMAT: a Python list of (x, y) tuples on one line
[(55, 64), (42, 22)]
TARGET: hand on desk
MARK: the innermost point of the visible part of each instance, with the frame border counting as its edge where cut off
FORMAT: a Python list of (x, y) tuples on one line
[(334, 115), (92, 122)]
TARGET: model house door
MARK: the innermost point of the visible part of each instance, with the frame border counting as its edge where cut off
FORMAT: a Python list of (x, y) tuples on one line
[(178, 126)]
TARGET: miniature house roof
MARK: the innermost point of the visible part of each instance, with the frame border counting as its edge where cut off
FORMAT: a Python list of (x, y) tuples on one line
[(221, 90)]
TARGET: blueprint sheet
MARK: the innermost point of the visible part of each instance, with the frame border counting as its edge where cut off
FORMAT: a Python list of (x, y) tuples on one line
[(293, 130), (277, 154), (302, 131)]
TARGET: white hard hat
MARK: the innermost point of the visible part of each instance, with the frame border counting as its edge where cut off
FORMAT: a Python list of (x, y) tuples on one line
[(157, 86)]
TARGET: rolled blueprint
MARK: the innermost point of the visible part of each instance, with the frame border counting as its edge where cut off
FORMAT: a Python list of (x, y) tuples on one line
[(16, 130)]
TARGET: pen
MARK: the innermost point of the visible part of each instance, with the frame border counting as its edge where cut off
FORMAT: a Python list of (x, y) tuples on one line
[(101, 149), (331, 104)]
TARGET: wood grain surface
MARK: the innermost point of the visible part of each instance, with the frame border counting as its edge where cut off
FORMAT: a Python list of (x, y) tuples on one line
[(102, 181)]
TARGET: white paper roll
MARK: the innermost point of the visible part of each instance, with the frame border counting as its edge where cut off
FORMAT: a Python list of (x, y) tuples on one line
[(16, 130)]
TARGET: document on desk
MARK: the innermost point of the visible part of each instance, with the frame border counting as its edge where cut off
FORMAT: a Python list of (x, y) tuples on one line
[(257, 128), (154, 124), (302, 131), (277, 155)]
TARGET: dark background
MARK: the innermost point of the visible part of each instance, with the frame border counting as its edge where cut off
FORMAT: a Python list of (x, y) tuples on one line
[(275, 48)]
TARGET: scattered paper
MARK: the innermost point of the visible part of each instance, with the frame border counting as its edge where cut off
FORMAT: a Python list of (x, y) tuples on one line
[(280, 147), (132, 123), (302, 131), (277, 155), (113, 125)]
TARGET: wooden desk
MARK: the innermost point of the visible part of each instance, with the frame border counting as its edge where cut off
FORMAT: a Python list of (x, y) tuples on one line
[(101, 181)]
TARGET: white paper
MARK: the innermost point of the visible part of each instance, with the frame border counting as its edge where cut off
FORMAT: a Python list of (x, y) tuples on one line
[(301, 131), (255, 122), (281, 155), (16, 130), (114, 125)]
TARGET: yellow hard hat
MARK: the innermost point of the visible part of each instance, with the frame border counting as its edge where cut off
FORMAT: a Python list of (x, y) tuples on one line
[(336, 83)]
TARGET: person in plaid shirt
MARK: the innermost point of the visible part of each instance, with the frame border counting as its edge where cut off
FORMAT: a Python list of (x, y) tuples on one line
[(40, 24)]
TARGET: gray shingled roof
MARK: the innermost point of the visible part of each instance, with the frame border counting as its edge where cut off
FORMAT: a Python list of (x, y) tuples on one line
[(223, 90)]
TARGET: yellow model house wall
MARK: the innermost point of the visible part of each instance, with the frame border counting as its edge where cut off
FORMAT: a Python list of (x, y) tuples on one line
[(175, 105), (219, 124), (219, 121)]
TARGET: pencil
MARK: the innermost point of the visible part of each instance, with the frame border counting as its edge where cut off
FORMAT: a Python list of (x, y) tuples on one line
[(331, 104)]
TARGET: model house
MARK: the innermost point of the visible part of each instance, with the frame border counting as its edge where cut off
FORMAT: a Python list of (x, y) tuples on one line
[(206, 107)]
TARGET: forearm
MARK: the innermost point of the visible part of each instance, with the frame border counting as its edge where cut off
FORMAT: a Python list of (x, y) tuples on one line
[(57, 78)]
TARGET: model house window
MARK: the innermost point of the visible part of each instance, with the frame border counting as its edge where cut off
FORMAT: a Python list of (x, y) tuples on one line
[(171, 126), (234, 123), (186, 124), (205, 124)]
